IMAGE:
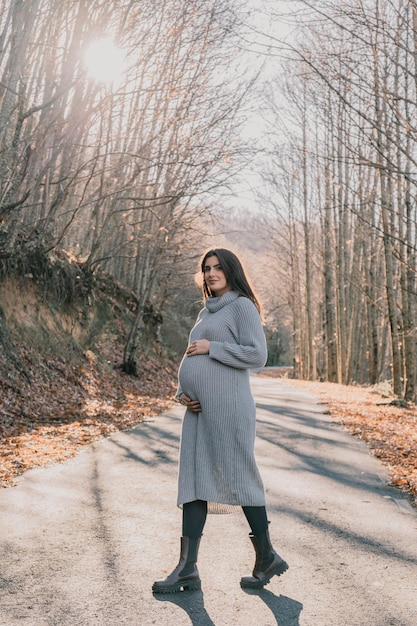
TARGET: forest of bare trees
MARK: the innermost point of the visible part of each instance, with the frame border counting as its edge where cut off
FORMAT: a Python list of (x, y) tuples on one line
[(125, 175), (117, 173), (340, 182)]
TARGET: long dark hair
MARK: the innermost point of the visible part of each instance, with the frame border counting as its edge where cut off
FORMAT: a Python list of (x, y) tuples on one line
[(234, 272)]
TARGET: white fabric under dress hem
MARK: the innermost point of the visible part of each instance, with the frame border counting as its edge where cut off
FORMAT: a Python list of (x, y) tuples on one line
[(217, 508)]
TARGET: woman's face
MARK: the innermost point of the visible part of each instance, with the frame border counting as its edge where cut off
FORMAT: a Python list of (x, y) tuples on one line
[(214, 276)]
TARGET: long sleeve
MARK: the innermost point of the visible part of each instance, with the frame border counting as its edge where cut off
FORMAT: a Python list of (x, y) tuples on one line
[(250, 350)]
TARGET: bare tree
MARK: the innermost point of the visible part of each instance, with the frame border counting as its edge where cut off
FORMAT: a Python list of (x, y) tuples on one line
[(360, 94), (117, 173)]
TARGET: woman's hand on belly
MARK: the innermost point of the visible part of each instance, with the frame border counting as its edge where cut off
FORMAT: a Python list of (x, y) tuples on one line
[(192, 405), (201, 346)]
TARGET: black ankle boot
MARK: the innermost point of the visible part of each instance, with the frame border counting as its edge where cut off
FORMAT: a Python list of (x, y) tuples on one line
[(185, 575), (268, 563)]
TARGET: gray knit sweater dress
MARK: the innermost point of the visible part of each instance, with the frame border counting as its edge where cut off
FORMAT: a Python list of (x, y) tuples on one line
[(217, 461)]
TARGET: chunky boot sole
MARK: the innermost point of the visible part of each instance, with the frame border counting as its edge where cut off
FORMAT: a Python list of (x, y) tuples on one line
[(186, 585), (250, 582)]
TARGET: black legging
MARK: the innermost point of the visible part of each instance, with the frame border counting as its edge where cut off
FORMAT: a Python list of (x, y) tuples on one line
[(256, 516), (194, 516)]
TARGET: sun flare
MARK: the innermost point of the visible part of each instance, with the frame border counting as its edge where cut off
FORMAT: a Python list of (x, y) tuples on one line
[(104, 61)]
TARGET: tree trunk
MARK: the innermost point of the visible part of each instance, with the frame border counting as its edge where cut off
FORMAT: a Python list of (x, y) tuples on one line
[(330, 330)]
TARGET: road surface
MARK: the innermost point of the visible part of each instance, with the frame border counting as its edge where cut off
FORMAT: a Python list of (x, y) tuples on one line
[(81, 542)]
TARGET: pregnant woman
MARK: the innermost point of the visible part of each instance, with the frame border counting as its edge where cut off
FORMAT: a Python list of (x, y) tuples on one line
[(217, 469)]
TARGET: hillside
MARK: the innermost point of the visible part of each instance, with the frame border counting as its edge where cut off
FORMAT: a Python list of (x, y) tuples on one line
[(61, 351)]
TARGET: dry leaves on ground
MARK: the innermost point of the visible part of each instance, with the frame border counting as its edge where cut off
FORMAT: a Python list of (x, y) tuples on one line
[(67, 406), (390, 431)]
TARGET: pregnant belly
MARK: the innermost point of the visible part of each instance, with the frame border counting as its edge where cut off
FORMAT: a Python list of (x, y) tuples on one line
[(198, 374)]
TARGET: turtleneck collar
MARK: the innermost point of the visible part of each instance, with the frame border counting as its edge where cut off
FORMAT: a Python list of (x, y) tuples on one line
[(214, 304)]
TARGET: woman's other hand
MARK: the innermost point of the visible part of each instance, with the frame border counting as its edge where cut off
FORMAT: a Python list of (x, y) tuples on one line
[(201, 346), (192, 405)]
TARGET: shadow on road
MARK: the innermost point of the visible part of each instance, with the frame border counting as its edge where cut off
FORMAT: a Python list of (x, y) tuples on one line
[(285, 610), (193, 604)]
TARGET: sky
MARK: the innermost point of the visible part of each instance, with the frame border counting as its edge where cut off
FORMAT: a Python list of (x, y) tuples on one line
[(255, 50)]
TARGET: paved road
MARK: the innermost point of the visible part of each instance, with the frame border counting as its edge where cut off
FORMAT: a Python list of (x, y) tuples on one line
[(82, 542)]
